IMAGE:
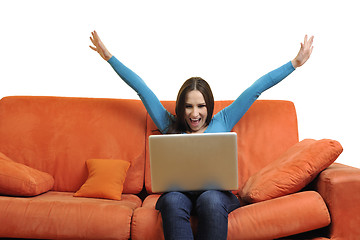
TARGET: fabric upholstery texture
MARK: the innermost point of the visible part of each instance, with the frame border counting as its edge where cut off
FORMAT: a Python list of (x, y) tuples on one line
[(295, 213), (58, 134), (17, 179), (105, 180), (339, 186), (292, 171), (59, 215), (4, 157)]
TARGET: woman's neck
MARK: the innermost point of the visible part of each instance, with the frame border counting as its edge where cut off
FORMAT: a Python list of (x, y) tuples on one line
[(201, 130)]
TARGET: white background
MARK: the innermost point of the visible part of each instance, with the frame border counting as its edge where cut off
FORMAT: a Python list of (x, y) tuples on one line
[(44, 51)]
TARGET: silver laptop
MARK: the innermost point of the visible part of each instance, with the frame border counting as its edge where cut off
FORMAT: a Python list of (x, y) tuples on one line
[(193, 162)]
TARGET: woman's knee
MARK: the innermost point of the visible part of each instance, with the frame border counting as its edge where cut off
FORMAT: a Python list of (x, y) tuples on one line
[(173, 200), (211, 200)]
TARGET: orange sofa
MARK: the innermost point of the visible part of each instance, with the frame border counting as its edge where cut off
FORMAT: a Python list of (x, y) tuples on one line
[(289, 189)]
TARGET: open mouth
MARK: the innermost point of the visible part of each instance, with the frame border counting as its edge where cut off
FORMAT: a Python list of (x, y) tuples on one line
[(195, 121)]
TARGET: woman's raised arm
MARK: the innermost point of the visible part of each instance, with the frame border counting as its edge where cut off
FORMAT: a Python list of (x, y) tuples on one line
[(156, 110), (233, 113)]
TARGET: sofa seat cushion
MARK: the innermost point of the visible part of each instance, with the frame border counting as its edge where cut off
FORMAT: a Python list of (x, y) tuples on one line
[(150, 201), (280, 217), (55, 215)]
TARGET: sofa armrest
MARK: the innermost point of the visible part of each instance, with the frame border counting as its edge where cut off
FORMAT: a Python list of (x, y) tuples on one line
[(339, 185)]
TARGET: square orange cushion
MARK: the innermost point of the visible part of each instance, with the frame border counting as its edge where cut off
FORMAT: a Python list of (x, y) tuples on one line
[(105, 180), (17, 179), (292, 171)]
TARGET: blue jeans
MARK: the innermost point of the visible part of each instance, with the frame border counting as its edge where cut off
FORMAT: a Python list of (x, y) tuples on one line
[(212, 208)]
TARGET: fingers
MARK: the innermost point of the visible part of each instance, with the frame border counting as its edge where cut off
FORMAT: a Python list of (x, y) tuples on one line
[(311, 49), (311, 42), (308, 43), (306, 47), (99, 46), (92, 40), (95, 40), (93, 33), (95, 36), (311, 39), (304, 53)]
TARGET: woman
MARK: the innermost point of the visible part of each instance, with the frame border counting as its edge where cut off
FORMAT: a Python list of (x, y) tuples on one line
[(194, 114)]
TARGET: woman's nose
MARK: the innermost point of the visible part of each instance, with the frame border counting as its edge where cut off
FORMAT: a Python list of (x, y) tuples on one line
[(195, 112)]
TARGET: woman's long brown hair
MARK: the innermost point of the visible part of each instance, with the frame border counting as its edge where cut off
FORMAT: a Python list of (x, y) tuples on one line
[(179, 124)]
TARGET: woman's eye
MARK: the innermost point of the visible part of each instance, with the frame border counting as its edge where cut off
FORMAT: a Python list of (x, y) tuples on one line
[(188, 106), (202, 105)]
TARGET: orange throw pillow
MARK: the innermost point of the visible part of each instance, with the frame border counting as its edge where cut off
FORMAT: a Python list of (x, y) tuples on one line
[(17, 179), (105, 180), (292, 171)]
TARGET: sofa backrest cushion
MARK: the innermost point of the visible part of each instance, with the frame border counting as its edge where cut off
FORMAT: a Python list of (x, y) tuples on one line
[(58, 134), (266, 131)]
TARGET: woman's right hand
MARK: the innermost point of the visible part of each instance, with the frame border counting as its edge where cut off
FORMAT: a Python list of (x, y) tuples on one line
[(99, 46)]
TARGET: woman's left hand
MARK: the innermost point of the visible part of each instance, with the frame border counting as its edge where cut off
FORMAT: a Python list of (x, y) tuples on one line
[(99, 46), (304, 52)]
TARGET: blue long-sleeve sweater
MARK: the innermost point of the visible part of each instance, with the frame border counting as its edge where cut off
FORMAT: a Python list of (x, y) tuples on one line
[(224, 120)]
